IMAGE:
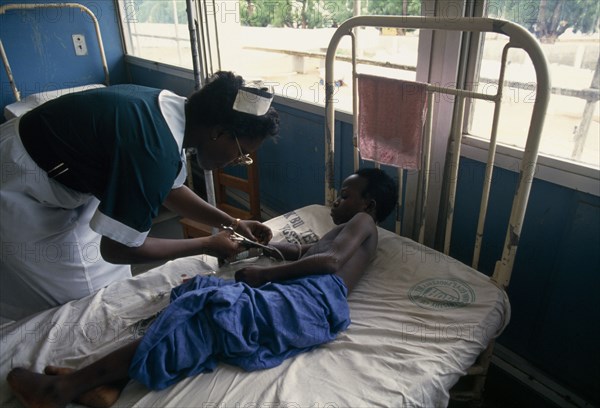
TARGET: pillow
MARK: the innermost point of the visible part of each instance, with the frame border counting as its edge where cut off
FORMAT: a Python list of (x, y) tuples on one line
[(302, 226)]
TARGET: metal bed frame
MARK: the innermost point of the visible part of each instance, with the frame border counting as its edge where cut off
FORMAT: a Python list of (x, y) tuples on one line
[(518, 38)]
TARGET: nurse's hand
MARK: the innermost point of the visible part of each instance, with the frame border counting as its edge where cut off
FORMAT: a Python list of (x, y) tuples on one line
[(254, 230), (221, 245)]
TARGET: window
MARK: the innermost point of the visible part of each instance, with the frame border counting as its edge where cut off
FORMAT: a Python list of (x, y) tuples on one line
[(283, 42), (568, 32), (157, 30)]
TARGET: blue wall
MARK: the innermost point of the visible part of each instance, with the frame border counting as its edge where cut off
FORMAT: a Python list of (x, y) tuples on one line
[(555, 282), (154, 75), (40, 48)]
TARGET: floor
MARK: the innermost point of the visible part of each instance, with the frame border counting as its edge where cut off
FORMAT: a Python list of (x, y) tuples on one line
[(501, 390)]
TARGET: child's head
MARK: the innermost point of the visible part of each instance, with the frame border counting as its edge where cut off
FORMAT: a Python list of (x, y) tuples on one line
[(367, 190)]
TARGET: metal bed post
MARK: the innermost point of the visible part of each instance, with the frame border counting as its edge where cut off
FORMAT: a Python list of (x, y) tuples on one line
[(197, 69), (197, 81), (423, 186), (489, 168), (400, 203), (355, 97), (455, 144), (199, 74), (519, 37), (9, 74)]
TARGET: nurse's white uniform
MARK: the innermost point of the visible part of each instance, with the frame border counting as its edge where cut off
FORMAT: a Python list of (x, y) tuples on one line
[(49, 255)]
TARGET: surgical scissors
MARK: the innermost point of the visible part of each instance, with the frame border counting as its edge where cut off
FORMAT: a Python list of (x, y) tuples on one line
[(242, 239), (249, 243)]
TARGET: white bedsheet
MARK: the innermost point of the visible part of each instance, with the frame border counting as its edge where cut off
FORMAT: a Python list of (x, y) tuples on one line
[(419, 320)]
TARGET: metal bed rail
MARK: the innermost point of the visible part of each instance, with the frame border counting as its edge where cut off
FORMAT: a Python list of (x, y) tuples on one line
[(519, 37)]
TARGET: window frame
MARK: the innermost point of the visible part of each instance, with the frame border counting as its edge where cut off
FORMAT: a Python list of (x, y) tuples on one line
[(577, 176)]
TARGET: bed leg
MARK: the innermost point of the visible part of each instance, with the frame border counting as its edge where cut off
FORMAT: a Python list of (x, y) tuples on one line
[(469, 388)]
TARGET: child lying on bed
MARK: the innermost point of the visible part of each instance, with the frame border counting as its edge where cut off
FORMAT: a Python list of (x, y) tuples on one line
[(266, 316)]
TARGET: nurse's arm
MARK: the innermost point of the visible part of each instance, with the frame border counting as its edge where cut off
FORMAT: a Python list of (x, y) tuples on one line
[(186, 203), (160, 249)]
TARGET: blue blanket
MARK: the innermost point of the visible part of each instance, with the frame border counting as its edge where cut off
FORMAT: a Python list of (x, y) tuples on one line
[(211, 320)]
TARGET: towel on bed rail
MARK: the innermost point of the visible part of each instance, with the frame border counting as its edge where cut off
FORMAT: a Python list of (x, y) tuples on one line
[(391, 119), (211, 320)]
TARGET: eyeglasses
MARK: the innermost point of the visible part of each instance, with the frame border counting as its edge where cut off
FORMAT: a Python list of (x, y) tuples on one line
[(244, 159)]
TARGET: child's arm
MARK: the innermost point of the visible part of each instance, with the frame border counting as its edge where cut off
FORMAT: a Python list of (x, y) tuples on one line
[(344, 251), (290, 252)]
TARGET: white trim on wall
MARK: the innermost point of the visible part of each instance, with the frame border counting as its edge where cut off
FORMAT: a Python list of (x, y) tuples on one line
[(556, 171)]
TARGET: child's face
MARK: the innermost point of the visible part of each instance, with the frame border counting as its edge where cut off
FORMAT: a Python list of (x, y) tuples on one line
[(350, 201)]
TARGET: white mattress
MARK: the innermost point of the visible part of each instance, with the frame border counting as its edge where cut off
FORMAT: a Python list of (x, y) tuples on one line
[(16, 109), (419, 320)]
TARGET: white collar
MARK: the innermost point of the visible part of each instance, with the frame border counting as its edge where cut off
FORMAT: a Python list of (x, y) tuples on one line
[(172, 107)]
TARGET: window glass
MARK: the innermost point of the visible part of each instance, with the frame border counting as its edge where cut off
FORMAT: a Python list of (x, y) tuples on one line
[(284, 43), (568, 33), (281, 42), (157, 30)]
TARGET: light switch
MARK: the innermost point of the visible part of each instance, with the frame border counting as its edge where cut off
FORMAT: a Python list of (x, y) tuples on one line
[(79, 44)]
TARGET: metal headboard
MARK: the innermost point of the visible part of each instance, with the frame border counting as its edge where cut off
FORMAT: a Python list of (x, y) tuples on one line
[(518, 38)]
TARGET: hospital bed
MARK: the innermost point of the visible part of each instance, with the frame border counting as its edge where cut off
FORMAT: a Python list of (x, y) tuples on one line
[(420, 319)]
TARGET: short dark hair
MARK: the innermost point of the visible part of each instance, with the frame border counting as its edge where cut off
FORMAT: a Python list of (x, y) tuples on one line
[(212, 105), (382, 188)]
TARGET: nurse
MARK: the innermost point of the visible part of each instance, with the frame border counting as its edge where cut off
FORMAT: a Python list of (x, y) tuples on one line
[(82, 177)]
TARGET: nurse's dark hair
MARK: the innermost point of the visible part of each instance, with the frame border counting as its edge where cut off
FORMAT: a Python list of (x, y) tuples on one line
[(212, 105), (382, 188)]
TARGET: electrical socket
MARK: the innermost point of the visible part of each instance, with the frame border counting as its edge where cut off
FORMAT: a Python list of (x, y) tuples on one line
[(79, 44)]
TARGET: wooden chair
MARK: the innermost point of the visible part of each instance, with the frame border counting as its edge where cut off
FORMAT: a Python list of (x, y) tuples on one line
[(223, 183)]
